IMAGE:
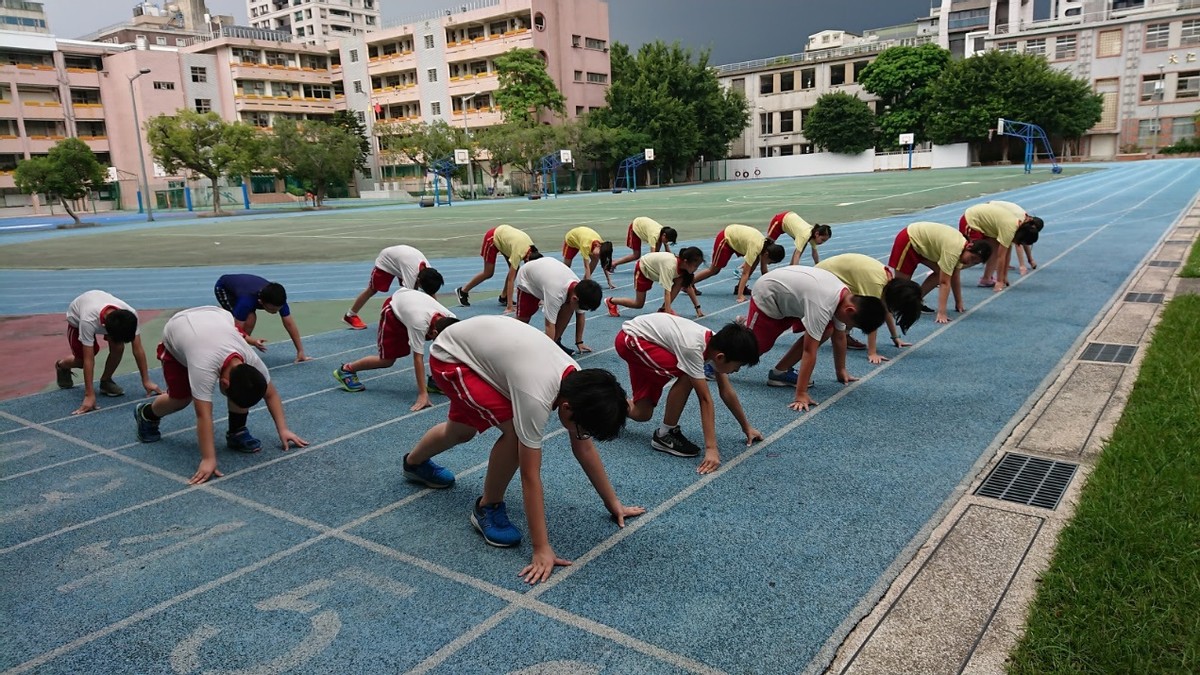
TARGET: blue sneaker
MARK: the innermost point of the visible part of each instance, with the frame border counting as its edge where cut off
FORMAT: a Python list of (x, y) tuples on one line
[(242, 441), (428, 474), (348, 380), (710, 373), (787, 379), (147, 431), (492, 522)]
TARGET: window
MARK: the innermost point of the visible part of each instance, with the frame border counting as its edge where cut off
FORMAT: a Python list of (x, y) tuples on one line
[(738, 85), (358, 87), (180, 42), (1182, 128), (353, 56), (428, 42), (579, 76), (968, 18), (1152, 88), (539, 21), (1188, 85), (362, 116), (1109, 43), (203, 105), (199, 74), (765, 125), (787, 150), (593, 43), (763, 152), (808, 78), (578, 110), (164, 85), (1158, 35), (837, 74), (807, 149), (160, 40), (787, 81), (1109, 99), (766, 84), (786, 125), (1190, 34), (1064, 47), (435, 108), (261, 120), (1006, 47), (597, 78), (1037, 46), (859, 67), (431, 75), (575, 40), (1147, 132)]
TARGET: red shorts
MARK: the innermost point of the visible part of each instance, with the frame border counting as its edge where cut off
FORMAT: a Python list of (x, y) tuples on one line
[(904, 258), (633, 241), (969, 233), (489, 250), (650, 366), (768, 329), (775, 229), (77, 346), (392, 336), (641, 283), (527, 305), (381, 281), (722, 252), (176, 375), (569, 254), (473, 401)]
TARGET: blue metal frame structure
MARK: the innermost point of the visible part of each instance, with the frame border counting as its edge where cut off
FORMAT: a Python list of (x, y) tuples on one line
[(1031, 134), (444, 168), (627, 172), (548, 167)]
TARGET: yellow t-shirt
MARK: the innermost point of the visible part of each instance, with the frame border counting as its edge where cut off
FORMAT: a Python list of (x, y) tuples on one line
[(798, 229), (647, 229), (940, 243), (745, 240), (994, 221), (1015, 209), (661, 268), (862, 274), (581, 239), (512, 243)]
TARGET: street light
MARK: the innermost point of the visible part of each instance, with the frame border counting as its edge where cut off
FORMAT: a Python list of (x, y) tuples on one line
[(1160, 87), (137, 127), (467, 131)]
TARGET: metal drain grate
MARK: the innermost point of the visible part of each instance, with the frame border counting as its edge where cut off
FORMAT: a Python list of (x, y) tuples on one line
[(1144, 297), (1177, 241), (1106, 353), (1028, 480), (1163, 263)]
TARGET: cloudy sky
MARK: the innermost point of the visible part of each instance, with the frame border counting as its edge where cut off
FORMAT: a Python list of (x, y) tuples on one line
[(734, 30)]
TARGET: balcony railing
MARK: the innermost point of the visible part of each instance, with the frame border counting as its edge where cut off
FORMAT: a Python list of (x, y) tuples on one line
[(437, 14), (822, 55)]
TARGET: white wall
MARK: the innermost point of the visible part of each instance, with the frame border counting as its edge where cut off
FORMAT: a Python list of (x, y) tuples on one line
[(939, 157)]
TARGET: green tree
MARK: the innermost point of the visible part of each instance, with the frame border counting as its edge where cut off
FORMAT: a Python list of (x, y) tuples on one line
[(902, 78), (350, 122), (841, 123), (318, 154), (203, 144), (526, 89), (69, 172), (420, 143)]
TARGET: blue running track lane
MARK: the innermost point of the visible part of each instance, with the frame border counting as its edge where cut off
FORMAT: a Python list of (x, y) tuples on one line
[(325, 560)]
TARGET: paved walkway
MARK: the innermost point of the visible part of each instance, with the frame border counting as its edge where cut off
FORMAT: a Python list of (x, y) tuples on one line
[(959, 604)]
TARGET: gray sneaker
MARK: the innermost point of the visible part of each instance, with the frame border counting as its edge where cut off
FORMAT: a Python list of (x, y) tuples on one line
[(110, 388), (674, 443)]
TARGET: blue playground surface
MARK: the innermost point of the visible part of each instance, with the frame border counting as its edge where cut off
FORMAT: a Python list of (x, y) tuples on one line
[(325, 560)]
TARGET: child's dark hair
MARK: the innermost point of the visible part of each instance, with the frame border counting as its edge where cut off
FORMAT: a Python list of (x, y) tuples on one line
[(737, 343), (442, 323), (773, 251), (822, 231), (981, 249), (598, 403), (273, 294), (430, 280), (669, 234), (902, 297), (1037, 223), (589, 294), (686, 278), (869, 313), (691, 254), (1026, 234), (121, 325), (246, 385), (533, 254), (606, 250)]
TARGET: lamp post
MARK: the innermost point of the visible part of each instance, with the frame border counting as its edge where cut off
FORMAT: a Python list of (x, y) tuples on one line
[(470, 158), (1160, 87), (137, 127)]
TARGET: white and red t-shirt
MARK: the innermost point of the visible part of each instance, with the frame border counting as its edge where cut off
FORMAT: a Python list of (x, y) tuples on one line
[(684, 338), (416, 310), (548, 280), (796, 292), (403, 262), (84, 313), (520, 361), (203, 339)]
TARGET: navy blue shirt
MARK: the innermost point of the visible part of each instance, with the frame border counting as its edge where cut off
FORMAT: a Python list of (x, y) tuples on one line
[(241, 294)]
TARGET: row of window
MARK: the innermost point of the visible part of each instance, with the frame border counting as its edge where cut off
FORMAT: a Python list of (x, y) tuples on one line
[(839, 74), (594, 78), (786, 150), (1154, 87), (790, 121), (589, 43), (1062, 47), (1151, 130)]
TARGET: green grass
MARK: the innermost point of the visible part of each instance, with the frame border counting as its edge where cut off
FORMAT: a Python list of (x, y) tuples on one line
[(1192, 268), (1122, 594), (697, 211)]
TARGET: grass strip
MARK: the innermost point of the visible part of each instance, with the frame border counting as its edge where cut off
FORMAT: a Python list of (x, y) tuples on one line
[(1192, 267), (1122, 594)]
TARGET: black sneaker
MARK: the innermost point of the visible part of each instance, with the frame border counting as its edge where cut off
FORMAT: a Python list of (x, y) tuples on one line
[(928, 310), (566, 350), (503, 300), (699, 292), (673, 443), (463, 297)]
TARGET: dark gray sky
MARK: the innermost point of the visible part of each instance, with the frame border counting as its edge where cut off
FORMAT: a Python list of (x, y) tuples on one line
[(734, 30)]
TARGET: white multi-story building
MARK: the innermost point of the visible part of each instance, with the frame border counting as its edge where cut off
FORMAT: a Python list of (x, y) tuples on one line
[(315, 21), (23, 16)]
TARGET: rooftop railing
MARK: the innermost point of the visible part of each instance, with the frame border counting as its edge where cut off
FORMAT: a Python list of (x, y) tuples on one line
[(822, 54)]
